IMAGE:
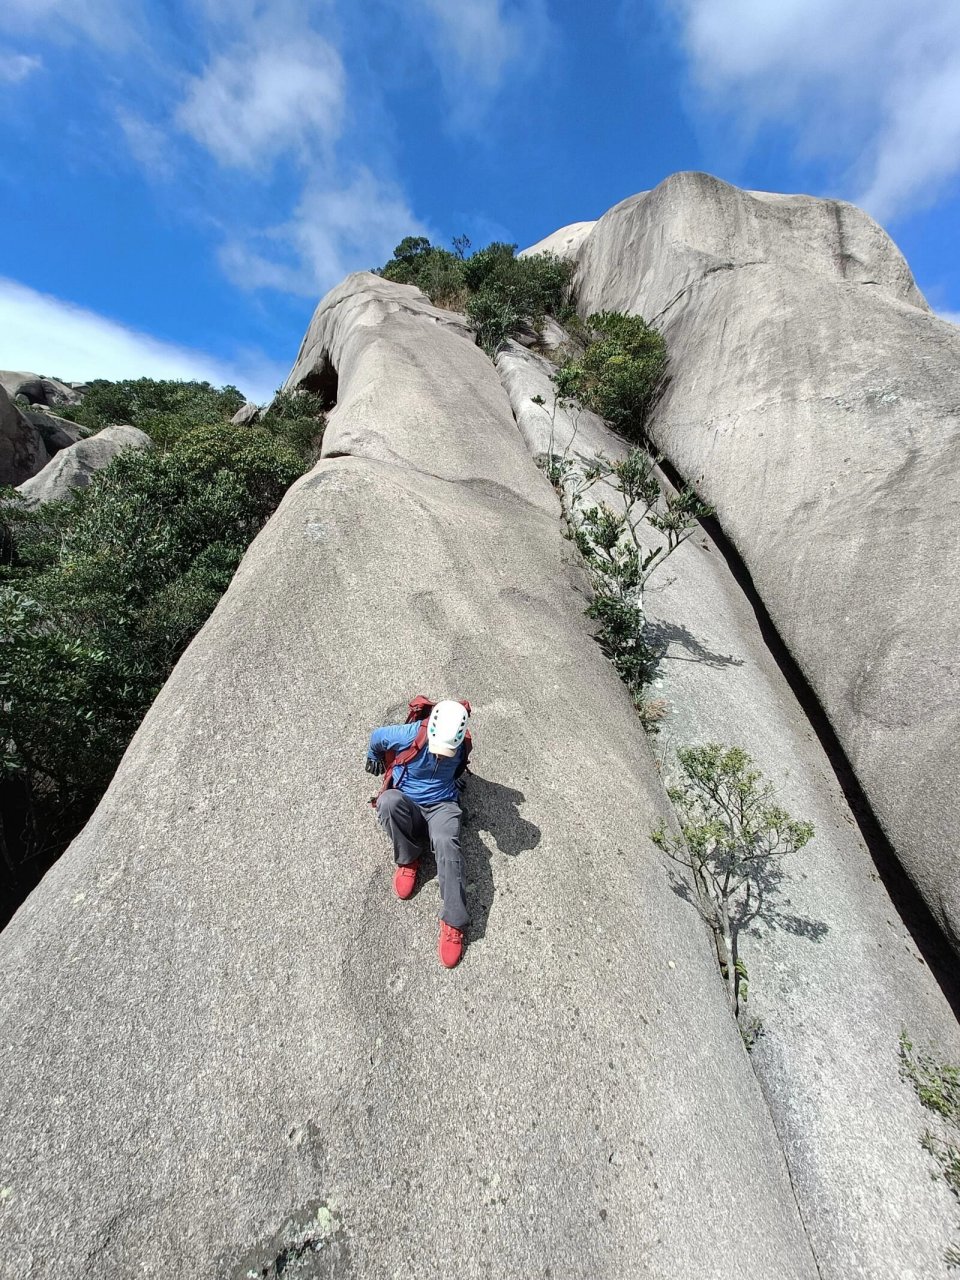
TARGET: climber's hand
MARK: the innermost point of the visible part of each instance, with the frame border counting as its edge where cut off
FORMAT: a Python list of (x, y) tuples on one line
[(374, 765)]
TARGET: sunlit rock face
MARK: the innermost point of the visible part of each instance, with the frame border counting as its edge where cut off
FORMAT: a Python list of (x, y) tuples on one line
[(814, 400), (73, 466), (227, 1048), (834, 974)]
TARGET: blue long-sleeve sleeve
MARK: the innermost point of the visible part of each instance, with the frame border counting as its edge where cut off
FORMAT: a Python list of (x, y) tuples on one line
[(391, 737)]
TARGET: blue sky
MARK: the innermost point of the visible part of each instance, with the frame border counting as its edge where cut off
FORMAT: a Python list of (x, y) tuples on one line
[(181, 180)]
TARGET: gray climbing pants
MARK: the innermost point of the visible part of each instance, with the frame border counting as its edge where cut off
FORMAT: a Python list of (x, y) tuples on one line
[(410, 826)]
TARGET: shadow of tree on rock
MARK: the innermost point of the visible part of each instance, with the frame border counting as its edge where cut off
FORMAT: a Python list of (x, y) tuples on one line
[(761, 909), (661, 635)]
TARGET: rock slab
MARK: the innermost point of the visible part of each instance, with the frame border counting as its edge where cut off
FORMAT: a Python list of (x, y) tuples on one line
[(814, 399), (73, 467), (225, 1044)]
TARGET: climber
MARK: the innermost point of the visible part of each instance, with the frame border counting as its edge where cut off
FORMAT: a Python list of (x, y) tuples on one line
[(424, 762)]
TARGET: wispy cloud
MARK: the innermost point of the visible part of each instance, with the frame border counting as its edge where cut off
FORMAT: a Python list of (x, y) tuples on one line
[(268, 94), (875, 84), (952, 316), (45, 334), (108, 22), (333, 230), (477, 43), (15, 67)]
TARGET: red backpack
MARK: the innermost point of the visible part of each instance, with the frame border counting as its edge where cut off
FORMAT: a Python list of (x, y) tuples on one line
[(419, 709)]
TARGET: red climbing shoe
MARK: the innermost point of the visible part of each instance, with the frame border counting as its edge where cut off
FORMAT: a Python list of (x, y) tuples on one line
[(404, 879), (450, 946)]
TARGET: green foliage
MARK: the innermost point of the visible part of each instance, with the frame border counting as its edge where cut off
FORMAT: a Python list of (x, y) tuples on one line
[(101, 592), (732, 833), (165, 409), (497, 289), (620, 371), (620, 565), (435, 271), (298, 419), (938, 1088)]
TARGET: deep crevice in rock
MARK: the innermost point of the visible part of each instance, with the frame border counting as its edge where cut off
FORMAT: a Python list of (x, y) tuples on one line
[(906, 899)]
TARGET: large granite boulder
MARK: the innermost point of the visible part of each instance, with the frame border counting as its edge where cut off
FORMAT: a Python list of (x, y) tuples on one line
[(834, 974), (40, 390), (73, 467), (22, 451), (815, 401), (227, 1050)]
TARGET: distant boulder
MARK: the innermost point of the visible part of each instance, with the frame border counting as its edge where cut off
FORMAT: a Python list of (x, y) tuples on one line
[(246, 415), (22, 451), (40, 390), (73, 467)]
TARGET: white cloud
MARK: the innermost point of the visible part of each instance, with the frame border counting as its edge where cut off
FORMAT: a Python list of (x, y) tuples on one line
[(952, 316), (15, 67), (477, 42), (334, 230), (270, 93), (151, 146), (44, 334), (874, 83), (108, 22)]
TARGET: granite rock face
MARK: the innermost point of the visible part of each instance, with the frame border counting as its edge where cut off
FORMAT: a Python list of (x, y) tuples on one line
[(40, 390), (56, 433), (22, 451), (246, 415), (814, 400), (834, 974), (224, 1039), (74, 466)]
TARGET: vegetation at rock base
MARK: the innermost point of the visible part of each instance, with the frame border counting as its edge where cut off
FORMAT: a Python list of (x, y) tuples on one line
[(733, 835), (101, 592), (498, 291), (620, 371), (937, 1085)]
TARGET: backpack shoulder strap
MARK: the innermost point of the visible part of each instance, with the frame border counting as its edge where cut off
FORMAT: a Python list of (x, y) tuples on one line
[(401, 758)]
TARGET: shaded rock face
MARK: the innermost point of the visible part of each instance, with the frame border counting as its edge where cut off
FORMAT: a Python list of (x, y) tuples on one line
[(74, 466), (834, 974), (56, 433), (224, 1040), (40, 390), (815, 402), (22, 451)]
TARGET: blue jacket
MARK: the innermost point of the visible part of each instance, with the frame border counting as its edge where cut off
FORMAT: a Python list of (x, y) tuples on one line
[(427, 779)]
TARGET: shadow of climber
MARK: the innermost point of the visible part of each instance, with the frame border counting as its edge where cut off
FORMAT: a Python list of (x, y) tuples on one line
[(491, 809)]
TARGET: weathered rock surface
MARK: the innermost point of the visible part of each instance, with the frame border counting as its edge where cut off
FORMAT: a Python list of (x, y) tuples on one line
[(834, 975), (22, 451), (815, 401), (74, 466), (223, 1038), (40, 390), (56, 433), (565, 243), (246, 415)]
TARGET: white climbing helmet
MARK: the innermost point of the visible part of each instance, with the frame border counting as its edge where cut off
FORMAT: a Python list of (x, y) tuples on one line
[(447, 728)]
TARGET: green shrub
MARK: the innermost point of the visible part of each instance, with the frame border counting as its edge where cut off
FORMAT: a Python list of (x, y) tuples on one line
[(620, 371), (99, 595), (732, 835), (937, 1085), (496, 289), (165, 409)]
